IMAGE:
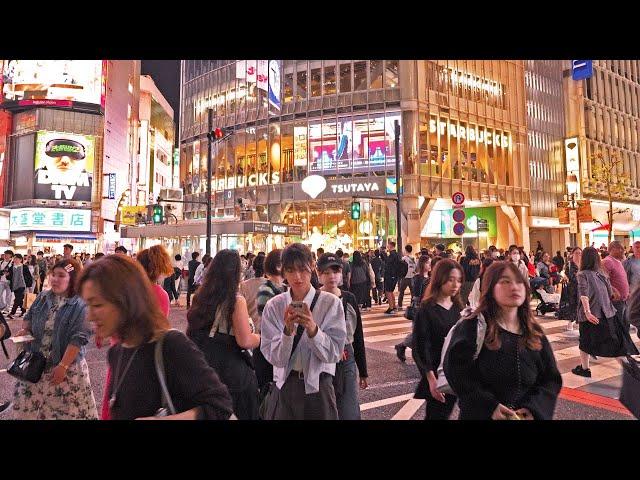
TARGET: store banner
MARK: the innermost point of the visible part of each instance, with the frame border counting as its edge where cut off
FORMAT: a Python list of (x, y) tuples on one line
[(584, 211), (563, 213), (345, 187), (129, 215), (251, 71), (263, 75), (64, 166), (50, 219), (5, 131), (300, 146), (241, 69), (274, 83)]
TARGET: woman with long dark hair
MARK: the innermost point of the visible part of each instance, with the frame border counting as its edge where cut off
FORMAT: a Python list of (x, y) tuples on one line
[(219, 324), (471, 266), (602, 331), (474, 296), (499, 362), (439, 311), (117, 290), (359, 278), (569, 296)]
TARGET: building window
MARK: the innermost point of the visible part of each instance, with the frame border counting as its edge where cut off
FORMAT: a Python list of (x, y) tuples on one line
[(345, 77), (360, 75), (330, 80), (391, 73), (301, 85), (288, 87), (316, 82), (375, 73)]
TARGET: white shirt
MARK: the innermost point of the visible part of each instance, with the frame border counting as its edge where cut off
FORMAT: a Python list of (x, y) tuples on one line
[(199, 273), (4, 265), (314, 355), (411, 271)]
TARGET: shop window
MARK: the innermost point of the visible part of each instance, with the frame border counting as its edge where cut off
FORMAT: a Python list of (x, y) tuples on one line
[(316, 82), (360, 75), (344, 151), (360, 142), (287, 152), (239, 139), (330, 80), (261, 138), (391, 73), (300, 149), (375, 73), (345, 77), (301, 85), (389, 141), (288, 87)]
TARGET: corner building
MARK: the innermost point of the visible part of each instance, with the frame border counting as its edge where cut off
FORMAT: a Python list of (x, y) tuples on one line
[(463, 129)]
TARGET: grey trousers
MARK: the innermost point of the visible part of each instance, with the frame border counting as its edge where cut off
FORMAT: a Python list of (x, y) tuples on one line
[(6, 295), (295, 404)]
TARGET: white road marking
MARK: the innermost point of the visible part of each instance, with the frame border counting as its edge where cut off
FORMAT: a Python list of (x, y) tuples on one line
[(386, 401), (409, 409), (381, 328), (385, 320)]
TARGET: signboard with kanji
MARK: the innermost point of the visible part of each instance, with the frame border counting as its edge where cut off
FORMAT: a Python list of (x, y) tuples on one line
[(50, 219)]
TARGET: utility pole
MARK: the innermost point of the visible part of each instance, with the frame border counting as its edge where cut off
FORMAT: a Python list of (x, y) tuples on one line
[(398, 194), (209, 167)]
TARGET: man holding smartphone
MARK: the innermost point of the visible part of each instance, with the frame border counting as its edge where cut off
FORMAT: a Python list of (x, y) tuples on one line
[(303, 335)]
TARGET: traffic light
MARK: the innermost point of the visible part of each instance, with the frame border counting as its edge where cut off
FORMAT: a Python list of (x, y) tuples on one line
[(355, 210), (157, 214), (218, 133)]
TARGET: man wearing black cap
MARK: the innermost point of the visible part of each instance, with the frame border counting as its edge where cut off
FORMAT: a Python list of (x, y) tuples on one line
[(441, 251)]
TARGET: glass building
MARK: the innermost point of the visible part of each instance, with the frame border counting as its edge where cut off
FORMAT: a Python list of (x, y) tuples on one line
[(463, 129)]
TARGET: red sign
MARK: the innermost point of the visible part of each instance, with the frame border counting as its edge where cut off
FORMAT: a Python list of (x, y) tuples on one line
[(5, 130), (458, 216), (457, 198), (458, 228), (46, 103)]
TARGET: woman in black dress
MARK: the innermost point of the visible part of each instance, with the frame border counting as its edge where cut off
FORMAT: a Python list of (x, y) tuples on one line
[(439, 311), (514, 374), (602, 332), (569, 296)]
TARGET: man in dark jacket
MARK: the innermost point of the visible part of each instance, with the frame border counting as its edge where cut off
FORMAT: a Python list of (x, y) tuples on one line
[(193, 265), (558, 261), (391, 266), (376, 265)]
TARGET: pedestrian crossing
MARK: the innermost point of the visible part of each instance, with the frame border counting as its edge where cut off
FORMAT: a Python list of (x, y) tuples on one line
[(382, 332)]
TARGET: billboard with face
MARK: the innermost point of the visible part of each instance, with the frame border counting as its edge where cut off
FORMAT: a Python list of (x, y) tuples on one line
[(52, 82), (64, 166)]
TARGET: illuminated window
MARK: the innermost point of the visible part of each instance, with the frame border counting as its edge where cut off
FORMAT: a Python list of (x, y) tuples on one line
[(345, 77), (316, 82), (329, 80), (360, 75)]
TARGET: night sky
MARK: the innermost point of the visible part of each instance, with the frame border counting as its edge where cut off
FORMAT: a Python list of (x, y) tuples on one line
[(166, 75)]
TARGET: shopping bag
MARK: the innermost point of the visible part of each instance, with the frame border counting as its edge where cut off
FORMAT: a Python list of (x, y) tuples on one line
[(29, 298), (630, 391)]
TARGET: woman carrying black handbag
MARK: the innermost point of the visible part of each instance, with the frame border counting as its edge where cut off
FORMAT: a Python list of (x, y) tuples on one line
[(220, 325)]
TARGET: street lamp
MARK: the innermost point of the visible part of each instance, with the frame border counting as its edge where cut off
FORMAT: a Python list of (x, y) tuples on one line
[(572, 190)]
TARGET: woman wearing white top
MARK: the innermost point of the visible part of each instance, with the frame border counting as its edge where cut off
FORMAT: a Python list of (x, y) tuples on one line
[(474, 296)]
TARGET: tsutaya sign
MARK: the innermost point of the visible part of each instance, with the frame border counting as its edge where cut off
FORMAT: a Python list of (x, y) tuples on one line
[(252, 180), (470, 133), (346, 187)]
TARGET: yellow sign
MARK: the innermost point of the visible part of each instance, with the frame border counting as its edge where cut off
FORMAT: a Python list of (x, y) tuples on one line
[(128, 214)]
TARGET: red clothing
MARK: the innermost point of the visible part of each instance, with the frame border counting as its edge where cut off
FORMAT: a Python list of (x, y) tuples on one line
[(163, 302), (617, 276)]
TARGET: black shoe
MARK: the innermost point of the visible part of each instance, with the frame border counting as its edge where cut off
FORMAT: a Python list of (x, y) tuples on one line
[(400, 349), (581, 371), (389, 311), (4, 406)]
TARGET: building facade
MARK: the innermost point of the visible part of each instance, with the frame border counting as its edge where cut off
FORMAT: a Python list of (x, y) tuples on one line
[(603, 115), (68, 152)]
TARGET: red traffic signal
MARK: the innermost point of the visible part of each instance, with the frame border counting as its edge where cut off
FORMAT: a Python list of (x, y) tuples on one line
[(218, 133)]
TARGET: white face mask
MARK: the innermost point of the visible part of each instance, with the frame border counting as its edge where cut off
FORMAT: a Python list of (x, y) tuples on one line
[(495, 254), (515, 257)]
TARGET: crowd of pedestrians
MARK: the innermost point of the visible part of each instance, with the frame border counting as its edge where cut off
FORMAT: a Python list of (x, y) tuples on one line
[(280, 335)]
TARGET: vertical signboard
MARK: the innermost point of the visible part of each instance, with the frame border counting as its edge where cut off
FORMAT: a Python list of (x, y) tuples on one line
[(5, 131), (263, 74), (274, 83)]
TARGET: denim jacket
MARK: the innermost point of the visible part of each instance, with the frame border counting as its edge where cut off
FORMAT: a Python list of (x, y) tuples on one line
[(70, 325)]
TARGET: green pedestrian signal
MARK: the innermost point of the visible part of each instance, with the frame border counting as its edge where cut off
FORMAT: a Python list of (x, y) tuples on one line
[(355, 211), (157, 214)]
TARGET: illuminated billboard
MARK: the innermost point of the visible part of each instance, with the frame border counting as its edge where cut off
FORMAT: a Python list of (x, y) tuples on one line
[(59, 83), (64, 166), (50, 219)]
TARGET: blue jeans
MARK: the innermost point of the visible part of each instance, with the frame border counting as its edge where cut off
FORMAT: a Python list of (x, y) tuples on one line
[(347, 399)]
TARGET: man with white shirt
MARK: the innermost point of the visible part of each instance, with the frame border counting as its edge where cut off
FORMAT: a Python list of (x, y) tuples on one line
[(303, 345), (408, 278), (6, 295)]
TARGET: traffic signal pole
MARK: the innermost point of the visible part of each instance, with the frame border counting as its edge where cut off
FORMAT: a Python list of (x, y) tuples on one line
[(209, 167), (398, 195)]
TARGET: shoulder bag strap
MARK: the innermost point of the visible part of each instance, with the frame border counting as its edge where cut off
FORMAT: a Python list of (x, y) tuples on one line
[(300, 329), (159, 363)]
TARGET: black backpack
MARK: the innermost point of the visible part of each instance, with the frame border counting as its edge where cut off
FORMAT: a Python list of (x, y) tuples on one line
[(28, 278), (402, 268)]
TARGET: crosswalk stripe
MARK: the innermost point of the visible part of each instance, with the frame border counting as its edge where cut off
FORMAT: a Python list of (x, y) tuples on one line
[(386, 320), (599, 372), (386, 401), (384, 338), (381, 328), (409, 409)]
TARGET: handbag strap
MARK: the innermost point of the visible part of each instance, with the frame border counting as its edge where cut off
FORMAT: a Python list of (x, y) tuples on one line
[(159, 363), (300, 329)]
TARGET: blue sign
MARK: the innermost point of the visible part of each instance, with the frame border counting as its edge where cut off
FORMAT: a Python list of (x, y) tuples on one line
[(581, 69), (274, 83), (112, 186), (458, 228)]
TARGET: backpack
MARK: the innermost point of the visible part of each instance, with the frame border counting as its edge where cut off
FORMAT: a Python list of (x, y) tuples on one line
[(402, 268), (442, 382), (28, 278)]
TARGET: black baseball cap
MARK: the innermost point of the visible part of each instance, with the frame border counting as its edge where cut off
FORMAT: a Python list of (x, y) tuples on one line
[(328, 260), (441, 247)]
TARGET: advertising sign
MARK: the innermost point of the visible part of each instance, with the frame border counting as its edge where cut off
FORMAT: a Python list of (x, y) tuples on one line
[(584, 211), (563, 213), (129, 215), (64, 166), (299, 146), (274, 83), (263, 74), (53, 82), (50, 219), (112, 186)]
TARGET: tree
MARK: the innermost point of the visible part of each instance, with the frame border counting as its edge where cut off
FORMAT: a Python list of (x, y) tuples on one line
[(606, 169)]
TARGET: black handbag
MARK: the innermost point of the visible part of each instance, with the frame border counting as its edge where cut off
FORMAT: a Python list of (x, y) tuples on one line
[(28, 366), (630, 391)]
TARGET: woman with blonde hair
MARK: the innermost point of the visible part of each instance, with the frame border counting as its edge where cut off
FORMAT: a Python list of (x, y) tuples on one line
[(157, 265)]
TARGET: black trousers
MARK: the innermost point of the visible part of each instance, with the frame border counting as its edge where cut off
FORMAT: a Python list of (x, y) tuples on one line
[(18, 301), (169, 286), (404, 283), (440, 411), (191, 288), (295, 404)]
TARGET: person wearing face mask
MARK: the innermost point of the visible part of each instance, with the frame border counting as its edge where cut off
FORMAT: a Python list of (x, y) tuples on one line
[(515, 258)]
